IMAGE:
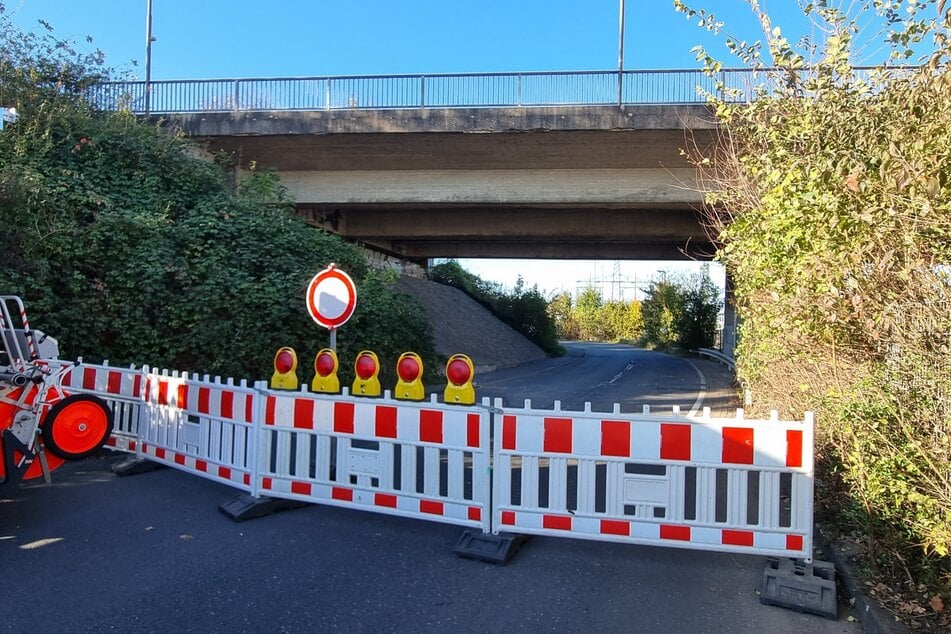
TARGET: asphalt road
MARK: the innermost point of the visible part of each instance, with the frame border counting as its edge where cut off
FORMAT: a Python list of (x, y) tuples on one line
[(93, 552)]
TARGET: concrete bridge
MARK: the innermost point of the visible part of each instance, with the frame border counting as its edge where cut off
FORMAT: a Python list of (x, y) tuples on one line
[(534, 165)]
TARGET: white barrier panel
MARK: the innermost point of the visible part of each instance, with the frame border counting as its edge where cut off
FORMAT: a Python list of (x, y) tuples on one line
[(425, 460), (712, 484), (202, 426), (121, 388)]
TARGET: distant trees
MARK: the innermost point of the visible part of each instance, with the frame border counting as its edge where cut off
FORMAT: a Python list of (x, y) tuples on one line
[(590, 318), (674, 313)]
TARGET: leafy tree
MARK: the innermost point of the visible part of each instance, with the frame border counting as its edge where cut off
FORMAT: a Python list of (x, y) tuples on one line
[(589, 312), (663, 311), (561, 311), (831, 197), (132, 248)]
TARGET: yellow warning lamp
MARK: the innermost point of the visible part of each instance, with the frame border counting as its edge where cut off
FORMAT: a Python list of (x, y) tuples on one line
[(285, 370), (459, 374), (325, 372), (409, 369), (367, 367)]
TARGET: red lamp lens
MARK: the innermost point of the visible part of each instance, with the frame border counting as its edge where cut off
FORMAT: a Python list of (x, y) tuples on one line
[(458, 372), (284, 362), (325, 364), (408, 369), (366, 366)]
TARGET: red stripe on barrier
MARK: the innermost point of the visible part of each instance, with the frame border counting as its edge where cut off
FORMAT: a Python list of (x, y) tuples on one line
[(162, 392), (89, 378), (132, 445), (558, 435), (224, 472), (737, 538), (160, 453), (674, 441), (249, 408), (137, 385), (303, 413), (615, 527), (343, 418), (556, 522), (179, 459), (148, 390), (472, 430), (508, 517), (385, 421), (433, 508), (508, 432), (246, 479), (616, 438), (227, 404), (266, 483), (681, 533), (475, 514), (384, 499), (430, 427), (793, 448), (114, 383), (182, 396), (339, 493), (738, 445), (201, 465), (111, 441), (300, 488), (794, 542), (270, 410), (204, 395)]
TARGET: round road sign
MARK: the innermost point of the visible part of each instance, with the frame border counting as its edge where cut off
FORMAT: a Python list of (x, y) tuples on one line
[(331, 298)]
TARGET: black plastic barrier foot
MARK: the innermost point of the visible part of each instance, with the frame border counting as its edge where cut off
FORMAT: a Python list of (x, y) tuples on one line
[(135, 466), (495, 549), (244, 506), (803, 587)]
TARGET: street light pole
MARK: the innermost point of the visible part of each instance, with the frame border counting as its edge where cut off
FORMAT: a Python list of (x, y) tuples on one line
[(148, 54), (620, 57)]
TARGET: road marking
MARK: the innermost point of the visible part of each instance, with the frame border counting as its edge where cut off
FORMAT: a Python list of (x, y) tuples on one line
[(617, 376), (703, 390)]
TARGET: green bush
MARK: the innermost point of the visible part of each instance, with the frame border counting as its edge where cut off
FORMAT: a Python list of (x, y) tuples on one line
[(125, 245)]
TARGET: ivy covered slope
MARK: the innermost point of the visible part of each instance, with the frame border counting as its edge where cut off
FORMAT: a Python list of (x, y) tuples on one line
[(127, 245), (832, 197)]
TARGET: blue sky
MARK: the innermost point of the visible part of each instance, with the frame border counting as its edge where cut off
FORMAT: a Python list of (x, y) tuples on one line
[(288, 38)]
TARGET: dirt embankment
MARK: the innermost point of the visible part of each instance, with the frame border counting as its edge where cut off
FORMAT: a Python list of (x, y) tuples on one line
[(462, 325)]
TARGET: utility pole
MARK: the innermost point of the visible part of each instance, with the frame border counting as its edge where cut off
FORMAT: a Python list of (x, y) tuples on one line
[(148, 54)]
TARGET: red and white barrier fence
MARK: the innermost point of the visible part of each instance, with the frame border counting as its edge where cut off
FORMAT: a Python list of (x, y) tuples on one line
[(207, 427), (662, 479), (426, 460), (671, 480)]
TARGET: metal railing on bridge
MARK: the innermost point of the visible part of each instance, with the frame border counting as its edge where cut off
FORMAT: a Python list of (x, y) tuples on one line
[(457, 90)]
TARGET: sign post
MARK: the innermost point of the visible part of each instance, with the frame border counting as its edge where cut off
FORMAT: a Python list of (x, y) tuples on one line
[(331, 299)]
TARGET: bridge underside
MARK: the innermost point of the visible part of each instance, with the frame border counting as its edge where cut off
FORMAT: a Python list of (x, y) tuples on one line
[(505, 231), (562, 182)]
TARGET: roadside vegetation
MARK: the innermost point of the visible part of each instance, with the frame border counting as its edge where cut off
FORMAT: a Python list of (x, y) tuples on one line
[(127, 245), (674, 314), (830, 197)]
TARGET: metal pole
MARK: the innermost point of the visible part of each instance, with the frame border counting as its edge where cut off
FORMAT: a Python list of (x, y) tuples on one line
[(620, 57), (148, 53)]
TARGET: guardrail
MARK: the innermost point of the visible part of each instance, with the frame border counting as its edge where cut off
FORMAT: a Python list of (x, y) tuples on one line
[(454, 90), (716, 355)]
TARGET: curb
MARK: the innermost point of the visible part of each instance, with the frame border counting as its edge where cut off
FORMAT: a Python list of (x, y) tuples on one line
[(872, 616)]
